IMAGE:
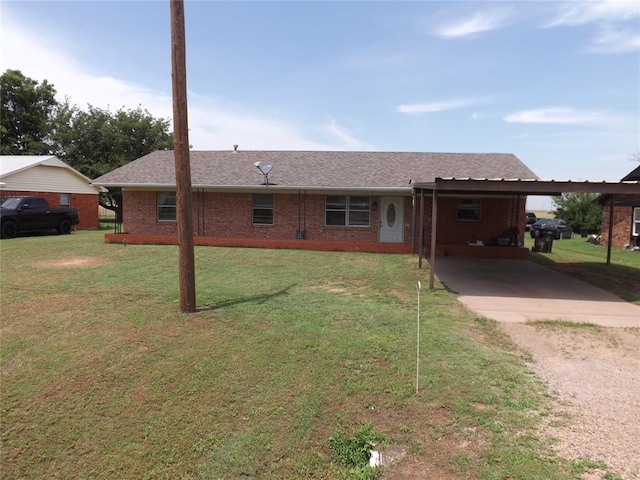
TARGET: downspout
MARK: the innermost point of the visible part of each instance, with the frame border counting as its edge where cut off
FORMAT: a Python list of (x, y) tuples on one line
[(299, 211), (201, 218), (421, 233)]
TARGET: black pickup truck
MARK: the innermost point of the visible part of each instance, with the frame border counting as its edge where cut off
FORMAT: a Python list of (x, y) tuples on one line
[(24, 214)]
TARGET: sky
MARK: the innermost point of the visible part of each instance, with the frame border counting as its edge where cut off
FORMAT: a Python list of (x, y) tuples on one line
[(555, 83)]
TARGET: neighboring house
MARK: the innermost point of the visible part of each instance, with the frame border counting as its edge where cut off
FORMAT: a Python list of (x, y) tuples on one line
[(318, 200), (50, 177), (625, 231)]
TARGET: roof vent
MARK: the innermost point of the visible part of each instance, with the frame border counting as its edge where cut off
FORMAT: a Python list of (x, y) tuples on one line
[(235, 149)]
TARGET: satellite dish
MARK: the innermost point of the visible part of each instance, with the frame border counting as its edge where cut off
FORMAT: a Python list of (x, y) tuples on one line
[(264, 168)]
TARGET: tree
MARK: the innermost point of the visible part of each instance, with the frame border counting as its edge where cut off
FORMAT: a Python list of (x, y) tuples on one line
[(579, 211), (96, 141), (93, 142), (26, 114)]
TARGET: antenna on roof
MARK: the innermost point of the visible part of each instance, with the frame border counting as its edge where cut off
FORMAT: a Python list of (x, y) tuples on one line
[(235, 149), (264, 168)]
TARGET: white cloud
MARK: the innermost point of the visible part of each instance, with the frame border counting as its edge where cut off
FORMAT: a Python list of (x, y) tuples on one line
[(39, 59), (610, 17), (478, 23), (210, 125), (611, 41), (580, 13), (558, 115), (343, 135), (416, 108)]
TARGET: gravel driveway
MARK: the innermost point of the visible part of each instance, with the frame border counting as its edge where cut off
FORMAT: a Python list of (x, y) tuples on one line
[(593, 374), (593, 371)]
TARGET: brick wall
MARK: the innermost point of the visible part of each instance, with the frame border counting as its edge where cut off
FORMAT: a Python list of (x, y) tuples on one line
[(622, 217), (225, 219), (230, 215), (86, 204), (497, 216)]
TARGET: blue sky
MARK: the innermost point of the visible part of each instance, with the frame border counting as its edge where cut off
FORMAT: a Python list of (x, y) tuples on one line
[(555, 83)]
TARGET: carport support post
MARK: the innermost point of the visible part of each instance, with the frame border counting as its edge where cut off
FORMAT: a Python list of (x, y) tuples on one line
[(610, 242), (434, 222)]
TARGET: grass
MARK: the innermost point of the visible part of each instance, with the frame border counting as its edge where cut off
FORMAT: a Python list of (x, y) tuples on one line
[(102, 377), (577, 257)]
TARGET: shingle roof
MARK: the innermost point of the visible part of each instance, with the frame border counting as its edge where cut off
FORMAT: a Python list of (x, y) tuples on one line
[(316, 169), (633, 175)]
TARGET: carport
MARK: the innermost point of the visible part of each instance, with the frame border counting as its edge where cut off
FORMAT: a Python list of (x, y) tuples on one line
[(507, 187)]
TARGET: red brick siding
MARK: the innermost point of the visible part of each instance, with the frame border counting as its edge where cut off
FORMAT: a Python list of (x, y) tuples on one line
[(496, 219), (329, 245), (231, 215), (86, 204), (622, 218), (225, 219)]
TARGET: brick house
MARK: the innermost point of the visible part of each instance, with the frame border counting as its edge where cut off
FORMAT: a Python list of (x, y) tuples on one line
[(625, 231), (321, 200), (49, 177)]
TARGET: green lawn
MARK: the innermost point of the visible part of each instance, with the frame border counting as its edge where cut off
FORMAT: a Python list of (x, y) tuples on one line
[(586, 261), (102, 377)]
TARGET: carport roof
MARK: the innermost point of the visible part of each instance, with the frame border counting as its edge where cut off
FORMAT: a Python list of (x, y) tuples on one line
[(503, 186), (526, 187)]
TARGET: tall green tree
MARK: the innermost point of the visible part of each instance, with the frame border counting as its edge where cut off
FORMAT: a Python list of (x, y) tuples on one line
[(93, 141), (25, 117), (579, 210), (96, 141)]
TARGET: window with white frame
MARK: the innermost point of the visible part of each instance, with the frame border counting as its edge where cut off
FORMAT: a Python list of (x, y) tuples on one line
[(469, 209), (636, 221), (263, 209), (166, 206), (65, 200), (347, 211)]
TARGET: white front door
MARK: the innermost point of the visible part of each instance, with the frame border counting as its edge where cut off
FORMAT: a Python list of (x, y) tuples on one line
[(391, 219)]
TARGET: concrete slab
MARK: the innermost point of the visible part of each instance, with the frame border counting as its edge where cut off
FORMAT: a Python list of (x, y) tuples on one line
[(521, 290)]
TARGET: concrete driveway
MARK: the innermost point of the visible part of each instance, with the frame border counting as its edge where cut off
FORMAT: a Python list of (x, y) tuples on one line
[(521, 290)]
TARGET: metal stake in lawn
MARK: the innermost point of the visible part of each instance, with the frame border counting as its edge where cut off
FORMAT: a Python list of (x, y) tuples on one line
[(418, 341)]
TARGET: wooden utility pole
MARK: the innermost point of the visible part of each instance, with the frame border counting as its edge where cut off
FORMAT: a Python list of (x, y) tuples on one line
[(186, 276)]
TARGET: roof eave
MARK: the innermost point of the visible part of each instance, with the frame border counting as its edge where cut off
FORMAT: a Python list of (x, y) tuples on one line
[(271, 187)]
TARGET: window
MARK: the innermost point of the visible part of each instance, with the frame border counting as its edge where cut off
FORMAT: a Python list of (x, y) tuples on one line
[(636, 222), (342, 210), (166, 202), (469, 209), (65, 200), (262, 209)]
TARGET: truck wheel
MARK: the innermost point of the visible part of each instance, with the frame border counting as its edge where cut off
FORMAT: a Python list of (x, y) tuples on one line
[(9, 230), (65, 227)]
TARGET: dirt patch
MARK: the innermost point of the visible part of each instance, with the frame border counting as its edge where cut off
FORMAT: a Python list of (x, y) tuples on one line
[(72, 262), (592, 373)]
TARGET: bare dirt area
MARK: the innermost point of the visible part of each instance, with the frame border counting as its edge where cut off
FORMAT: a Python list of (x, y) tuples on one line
[(72, 262), (593, 375)]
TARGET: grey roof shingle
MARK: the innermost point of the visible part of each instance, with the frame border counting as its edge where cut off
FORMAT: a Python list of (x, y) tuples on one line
[(317, 169)]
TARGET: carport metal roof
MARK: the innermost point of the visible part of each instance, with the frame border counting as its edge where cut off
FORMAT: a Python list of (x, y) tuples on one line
[(502, 186)]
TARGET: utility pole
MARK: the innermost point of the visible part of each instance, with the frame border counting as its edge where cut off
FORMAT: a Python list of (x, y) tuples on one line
[(186, 264)]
